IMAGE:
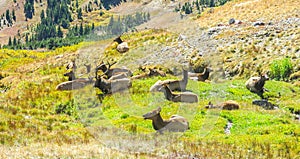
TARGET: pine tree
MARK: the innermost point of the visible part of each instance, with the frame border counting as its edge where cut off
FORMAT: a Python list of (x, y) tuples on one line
[(9, 41), (81, 29), (42, 15), (59, 32), (14, 41), (7, 15), (77, 5), (14, 15), (79, 13)]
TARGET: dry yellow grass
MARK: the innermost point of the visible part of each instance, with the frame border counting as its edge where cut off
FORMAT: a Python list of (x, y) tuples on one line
[(251, 10), (50, 150)]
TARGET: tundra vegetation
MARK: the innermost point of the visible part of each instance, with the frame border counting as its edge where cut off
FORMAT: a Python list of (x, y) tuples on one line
[(34, 115)]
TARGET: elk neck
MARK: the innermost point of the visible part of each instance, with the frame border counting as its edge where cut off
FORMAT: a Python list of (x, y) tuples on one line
[(260, 83), (185, 77), (168, 93), (158, 122)]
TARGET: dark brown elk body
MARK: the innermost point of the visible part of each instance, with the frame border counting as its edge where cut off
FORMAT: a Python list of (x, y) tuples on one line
[(175, 124), (70, 75), (227, 105), (200, 76)]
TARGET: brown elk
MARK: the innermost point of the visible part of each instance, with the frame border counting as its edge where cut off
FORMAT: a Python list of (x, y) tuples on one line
[(112, 86), (151, 73), (227, 105), (74, 84), (71, 65), (200, 76), (178, 85), (70, 75), (175, 124), (187, 97), (256, 84), (109, 72)]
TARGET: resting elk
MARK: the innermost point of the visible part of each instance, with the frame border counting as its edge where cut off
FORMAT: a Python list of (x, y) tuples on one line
[(175, 124), (187, 97), (74, 84), (112, 86), (109, 72), (200, 76), (227, 105), (179, 85)]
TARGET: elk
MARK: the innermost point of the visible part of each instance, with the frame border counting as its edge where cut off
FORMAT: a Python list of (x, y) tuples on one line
[(122, 46), (200, 76), (256, 84), (88, 68), (227, 105), (109, 72), (175, 124), (187, 97), (151, 73), (70, 75), (112, 86), (74, 84), (71, 65), (179, 85)]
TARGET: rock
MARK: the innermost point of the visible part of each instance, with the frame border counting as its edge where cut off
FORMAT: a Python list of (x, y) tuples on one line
[(231, 21), (123, 47), (265, 104), (258, 23)]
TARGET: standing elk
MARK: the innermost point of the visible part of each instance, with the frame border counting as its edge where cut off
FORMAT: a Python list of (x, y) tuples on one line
[(187, 97), (175, 124), (256, 84)]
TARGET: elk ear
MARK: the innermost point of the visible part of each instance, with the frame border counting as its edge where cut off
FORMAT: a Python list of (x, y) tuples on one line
[(158, 109)]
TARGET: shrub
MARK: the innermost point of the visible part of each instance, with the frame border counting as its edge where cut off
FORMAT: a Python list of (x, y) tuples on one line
[(281, 69), (68, 108)]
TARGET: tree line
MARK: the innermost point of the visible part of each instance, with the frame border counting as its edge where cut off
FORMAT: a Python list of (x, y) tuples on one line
[(55, 30), (198, 5)]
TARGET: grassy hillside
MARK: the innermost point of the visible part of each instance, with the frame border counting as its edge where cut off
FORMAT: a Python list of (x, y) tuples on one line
[(38, 121)]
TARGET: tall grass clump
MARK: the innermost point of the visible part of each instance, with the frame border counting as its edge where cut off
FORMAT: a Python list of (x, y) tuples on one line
[(281, 69)]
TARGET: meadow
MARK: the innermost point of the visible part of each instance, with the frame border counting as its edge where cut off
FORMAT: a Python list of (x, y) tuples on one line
[(32, 111)]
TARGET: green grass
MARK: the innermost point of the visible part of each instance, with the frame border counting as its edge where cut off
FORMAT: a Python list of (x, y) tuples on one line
[(28, 111)]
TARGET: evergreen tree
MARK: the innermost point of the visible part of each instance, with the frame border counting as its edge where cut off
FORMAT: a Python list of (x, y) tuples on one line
[(15, 41), (14, 15), (212, 3), (42, 15), (79, 13), (77, 5), (59, 32), (29, 9), (7, 15), (81, 29), (9, 41)]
